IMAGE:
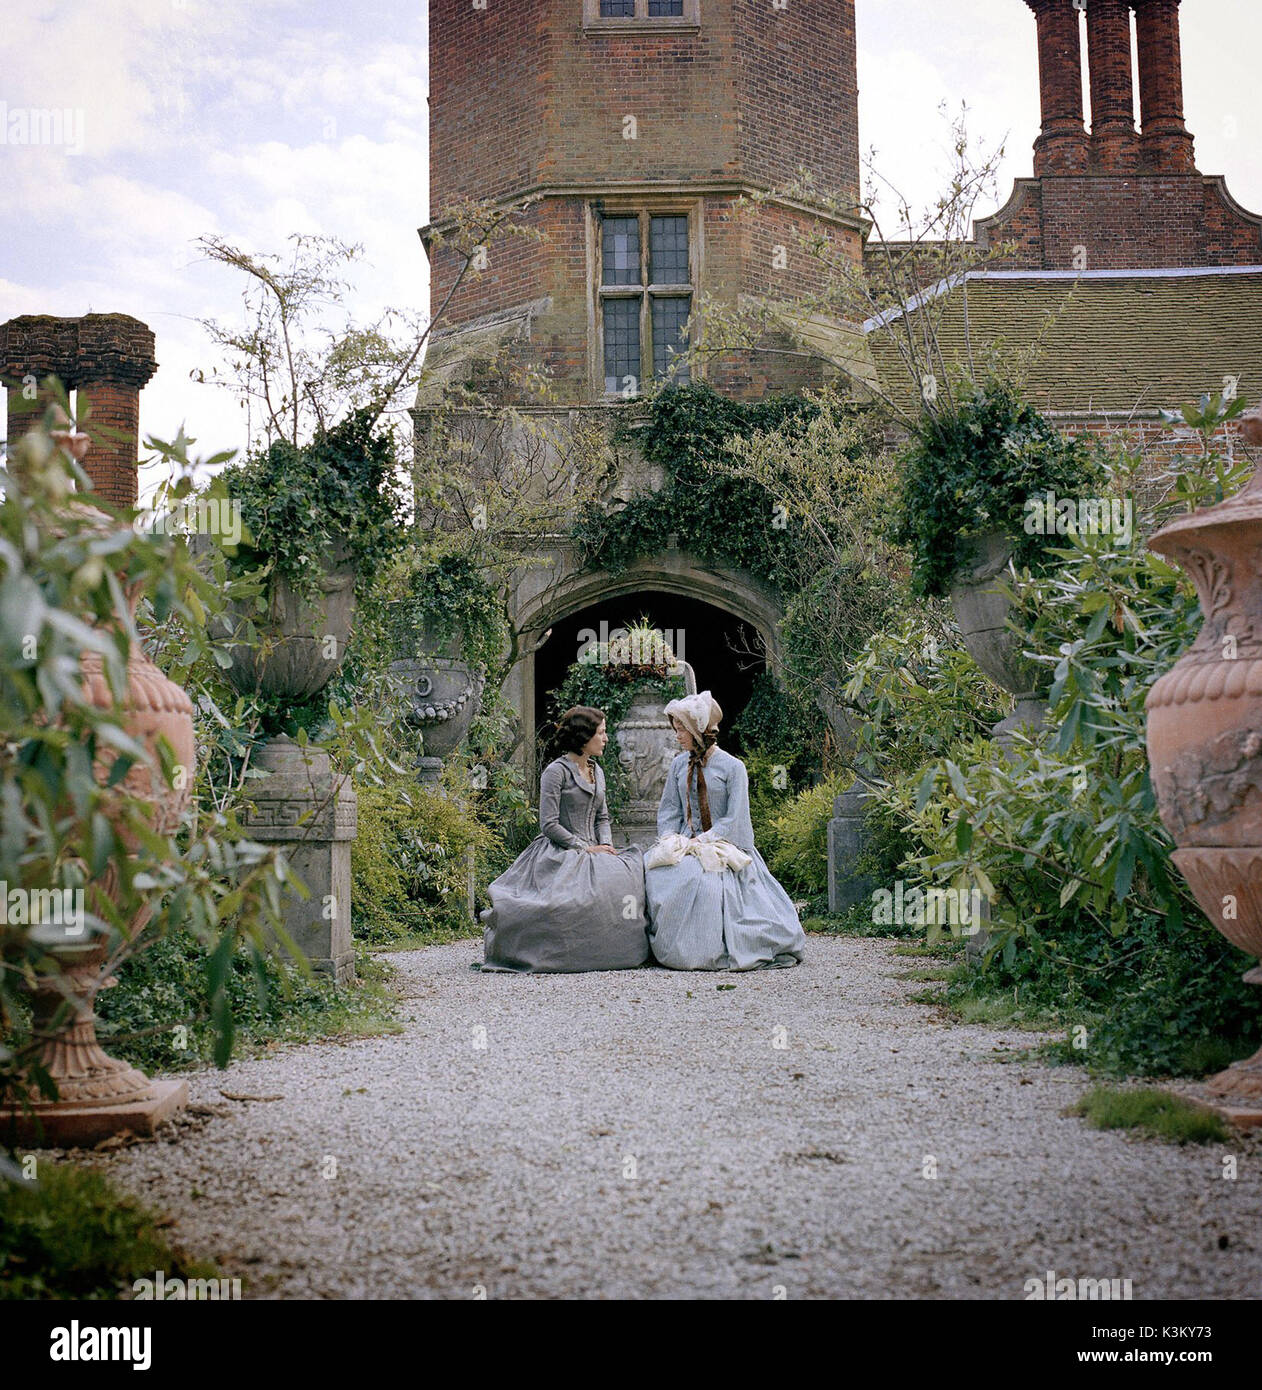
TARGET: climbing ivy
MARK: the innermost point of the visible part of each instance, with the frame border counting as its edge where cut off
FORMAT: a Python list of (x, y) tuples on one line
[(721, 518), (450, 598)]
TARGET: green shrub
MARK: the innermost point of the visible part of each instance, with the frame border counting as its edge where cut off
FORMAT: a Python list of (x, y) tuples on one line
[(974, 460), (1062, 832), (800, 852), (300, 501), (409, 862), (71, 1235), (159, 1016)]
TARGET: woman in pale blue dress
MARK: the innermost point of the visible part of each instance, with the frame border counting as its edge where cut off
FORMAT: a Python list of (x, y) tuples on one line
[(713, 903)]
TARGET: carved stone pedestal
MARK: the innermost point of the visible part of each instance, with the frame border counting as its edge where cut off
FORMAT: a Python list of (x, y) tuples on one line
[(303, 806)]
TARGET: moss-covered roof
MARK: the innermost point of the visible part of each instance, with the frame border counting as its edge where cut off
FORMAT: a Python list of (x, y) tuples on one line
[(1115, 341)]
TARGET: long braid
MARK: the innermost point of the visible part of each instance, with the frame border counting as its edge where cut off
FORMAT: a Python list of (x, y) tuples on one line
[(696, 767)]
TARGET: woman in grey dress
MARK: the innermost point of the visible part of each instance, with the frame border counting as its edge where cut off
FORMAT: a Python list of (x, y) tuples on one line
[(570, 901), (713, 902)]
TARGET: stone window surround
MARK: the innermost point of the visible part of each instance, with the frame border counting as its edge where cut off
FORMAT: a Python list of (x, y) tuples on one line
[(595, 23), (642, 206)]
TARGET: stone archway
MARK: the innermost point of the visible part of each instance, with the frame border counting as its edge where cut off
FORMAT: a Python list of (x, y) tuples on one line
[(556, 592)]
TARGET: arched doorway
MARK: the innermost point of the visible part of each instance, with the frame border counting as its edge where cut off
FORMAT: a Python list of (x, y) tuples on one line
[(730, 620), (724, 650)]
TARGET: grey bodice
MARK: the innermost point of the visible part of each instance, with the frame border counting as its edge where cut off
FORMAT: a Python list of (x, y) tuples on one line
[(573, 813)]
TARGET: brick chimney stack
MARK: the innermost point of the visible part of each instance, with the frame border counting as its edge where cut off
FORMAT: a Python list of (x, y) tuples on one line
[(1062, 144), (107, 358), (1114, 141), (1166, 144)]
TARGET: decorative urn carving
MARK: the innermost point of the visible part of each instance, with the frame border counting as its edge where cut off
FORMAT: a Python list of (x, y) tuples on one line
[(646, 749), (444, 693), (981, 610), (302, 642), (1205, 733)]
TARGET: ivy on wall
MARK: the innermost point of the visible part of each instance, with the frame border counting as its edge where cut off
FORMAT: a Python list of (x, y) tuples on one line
[(720, 518)]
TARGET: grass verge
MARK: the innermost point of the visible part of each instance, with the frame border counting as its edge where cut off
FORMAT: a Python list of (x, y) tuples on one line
[(1153, 1112), (70, 1234)]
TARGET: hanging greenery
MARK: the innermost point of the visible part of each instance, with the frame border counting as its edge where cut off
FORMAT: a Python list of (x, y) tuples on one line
[(973, 463), (721, 518), (301, 502), (450, 600)]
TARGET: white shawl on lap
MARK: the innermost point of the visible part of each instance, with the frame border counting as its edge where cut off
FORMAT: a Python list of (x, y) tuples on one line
[(715, 854)]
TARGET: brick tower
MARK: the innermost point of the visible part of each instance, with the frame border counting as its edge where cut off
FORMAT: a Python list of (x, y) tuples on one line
[(1117, 196), (638, 124)]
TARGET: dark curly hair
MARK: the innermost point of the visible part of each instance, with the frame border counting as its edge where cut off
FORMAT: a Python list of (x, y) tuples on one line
[(575, 727)]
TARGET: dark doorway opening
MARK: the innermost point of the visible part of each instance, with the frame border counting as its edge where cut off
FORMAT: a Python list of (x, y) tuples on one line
[(723, 650)]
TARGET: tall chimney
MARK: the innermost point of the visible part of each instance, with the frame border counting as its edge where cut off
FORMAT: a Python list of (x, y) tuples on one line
[(1114, 140), (1166, 144), (1062, 144), (107, 358)]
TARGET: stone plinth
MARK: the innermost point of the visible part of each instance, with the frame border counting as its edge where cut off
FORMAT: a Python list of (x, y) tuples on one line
[(847, 840), (304, 806)]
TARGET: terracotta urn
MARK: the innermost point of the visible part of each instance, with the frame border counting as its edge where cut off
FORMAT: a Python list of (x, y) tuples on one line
[(1205, 731), (981, 608), (98, 1094)]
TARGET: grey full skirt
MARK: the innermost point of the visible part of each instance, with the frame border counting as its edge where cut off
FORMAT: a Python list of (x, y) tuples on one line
[(559, 909)]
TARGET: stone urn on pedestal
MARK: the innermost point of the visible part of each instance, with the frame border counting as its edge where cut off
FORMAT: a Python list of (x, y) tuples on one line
[(303, 804), (981, 610), (444, 692), (1205, 741), (99, 1095), (646, 749)]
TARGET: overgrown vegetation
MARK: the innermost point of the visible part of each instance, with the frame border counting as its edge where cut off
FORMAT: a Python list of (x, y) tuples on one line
[(972, 463), (71, 1235), (157, 1017)]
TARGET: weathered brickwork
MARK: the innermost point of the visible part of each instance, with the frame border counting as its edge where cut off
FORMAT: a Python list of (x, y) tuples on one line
[(528, 101), (798, 94), (1124, 195), (1123, 222), (106, 358)]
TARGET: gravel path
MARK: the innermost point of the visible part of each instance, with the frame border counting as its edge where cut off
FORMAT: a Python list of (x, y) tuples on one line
[(660, 1135)]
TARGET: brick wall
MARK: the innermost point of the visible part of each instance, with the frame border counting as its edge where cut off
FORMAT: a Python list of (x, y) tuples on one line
[(1130, 198), (1124, 222), (523, 96), (798, 95), (114, 428)]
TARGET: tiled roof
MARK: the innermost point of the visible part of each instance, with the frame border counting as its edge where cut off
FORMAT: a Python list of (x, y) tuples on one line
[(1111, 341)]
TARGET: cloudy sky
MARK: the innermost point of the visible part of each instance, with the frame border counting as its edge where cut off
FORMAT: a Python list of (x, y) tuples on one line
[(256, 118)]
